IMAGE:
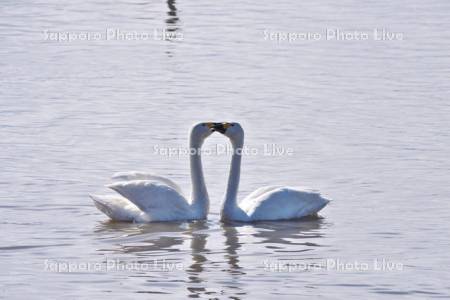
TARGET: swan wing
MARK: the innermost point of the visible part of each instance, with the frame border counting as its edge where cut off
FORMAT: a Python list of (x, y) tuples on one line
[(135, 175), (283, 203), (117, 207), (159, 201), (258, 192)]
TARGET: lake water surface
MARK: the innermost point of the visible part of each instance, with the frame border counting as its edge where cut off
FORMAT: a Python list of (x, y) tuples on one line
[(367, 121)]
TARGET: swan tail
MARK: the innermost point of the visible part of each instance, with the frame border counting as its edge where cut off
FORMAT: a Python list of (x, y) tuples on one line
[(117, 209), (312, 209)]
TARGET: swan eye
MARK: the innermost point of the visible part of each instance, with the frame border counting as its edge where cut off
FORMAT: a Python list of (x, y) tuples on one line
[(232, 125)]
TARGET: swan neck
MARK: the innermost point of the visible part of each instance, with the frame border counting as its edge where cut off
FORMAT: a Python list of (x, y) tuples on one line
[(233, 179), (199, 196)]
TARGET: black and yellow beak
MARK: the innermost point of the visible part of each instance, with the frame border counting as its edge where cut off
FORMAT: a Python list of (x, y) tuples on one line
[(210, 125), (221, 127)]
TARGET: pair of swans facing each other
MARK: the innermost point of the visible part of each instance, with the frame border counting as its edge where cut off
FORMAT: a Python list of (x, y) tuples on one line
[(143, 197)]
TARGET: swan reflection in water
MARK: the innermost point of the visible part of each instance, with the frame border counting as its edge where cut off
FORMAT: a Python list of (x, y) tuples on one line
[(172, 19), (212, 253)]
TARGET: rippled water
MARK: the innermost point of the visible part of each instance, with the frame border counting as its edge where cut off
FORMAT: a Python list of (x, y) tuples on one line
[(368, 122)]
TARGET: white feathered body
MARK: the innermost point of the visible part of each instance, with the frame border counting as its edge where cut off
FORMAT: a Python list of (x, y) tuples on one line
[(146, 197), (277, 203)]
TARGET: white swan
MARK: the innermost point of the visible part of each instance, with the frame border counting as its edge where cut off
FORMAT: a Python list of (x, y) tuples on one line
[(150, 198), (266, 203)]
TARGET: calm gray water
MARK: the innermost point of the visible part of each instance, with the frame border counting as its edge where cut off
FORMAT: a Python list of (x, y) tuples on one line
[(368, 122)]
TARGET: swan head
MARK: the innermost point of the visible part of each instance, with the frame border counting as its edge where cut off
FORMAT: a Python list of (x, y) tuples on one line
[(231, 130), (201, 131)]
